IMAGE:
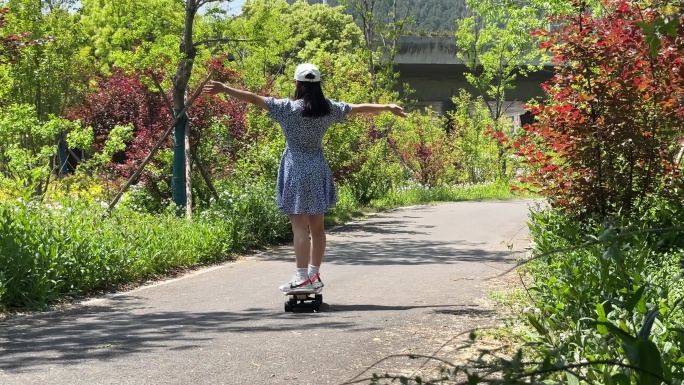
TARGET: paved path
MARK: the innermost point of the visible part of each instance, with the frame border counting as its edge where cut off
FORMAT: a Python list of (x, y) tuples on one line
[(405, 281)]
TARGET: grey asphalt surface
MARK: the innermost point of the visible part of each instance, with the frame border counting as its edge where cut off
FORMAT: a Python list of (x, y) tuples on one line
[(399, 282)]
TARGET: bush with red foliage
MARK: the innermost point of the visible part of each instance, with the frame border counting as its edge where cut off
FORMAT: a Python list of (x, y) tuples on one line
[(123, 99), (606, 140), (427, 159)]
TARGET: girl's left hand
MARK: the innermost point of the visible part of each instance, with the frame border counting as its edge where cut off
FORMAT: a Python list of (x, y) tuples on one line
[(213, 88), (396, 110)]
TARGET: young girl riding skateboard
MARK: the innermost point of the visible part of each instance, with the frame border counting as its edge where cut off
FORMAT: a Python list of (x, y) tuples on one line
[(305, 188)]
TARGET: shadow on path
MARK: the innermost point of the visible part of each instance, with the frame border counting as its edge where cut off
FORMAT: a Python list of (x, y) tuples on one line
[(386, 227), (107, 332), (402, 252), (439, 309)]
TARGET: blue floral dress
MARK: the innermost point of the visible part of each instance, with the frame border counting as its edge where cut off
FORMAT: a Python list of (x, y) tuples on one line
[(305, 183)]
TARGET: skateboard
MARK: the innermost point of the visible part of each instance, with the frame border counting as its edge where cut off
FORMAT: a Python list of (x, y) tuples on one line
[(304, 299)]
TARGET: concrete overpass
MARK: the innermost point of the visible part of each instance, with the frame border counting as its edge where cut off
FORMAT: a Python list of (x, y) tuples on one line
[(430, 66)]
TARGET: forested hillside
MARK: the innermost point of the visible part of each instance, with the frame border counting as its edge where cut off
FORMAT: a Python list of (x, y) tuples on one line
[(427, 15)]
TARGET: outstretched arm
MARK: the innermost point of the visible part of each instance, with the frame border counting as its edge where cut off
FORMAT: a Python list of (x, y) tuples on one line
[(214, 88), (376, 109)]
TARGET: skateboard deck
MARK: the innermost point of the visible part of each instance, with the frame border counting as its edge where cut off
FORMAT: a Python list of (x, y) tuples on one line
[(304, 299), (295, 292)]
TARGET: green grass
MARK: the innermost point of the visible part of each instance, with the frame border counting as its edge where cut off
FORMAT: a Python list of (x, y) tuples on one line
[(347, 208), (50, 252), (420, 195)]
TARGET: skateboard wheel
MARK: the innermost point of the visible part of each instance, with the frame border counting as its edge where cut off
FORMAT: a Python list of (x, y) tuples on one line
[(288, 307), (319, 298), (292, 301)]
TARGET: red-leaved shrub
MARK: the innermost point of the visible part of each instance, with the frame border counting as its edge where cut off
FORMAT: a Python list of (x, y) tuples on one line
[(606, 140)]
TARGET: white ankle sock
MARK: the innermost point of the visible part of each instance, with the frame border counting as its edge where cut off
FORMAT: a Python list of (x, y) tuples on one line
[(313, 270), (302, 273)]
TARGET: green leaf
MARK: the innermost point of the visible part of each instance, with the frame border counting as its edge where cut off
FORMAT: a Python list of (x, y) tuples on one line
[(654, 43), (632, 353), (601, 319), (536, 324), (650, 317), (641, 305), (621, 379), (607, 379), (572, 379), (670, 28), (649, 360), (636, 297), (646, 27), (623, 335)]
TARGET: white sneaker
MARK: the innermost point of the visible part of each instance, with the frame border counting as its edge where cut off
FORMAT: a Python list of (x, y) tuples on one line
[(296, 284), (317, 282)]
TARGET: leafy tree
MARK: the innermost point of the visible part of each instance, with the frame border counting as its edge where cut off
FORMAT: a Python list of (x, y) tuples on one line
[(496, 46), (11, 43), (279, 36), (130, 33), (380, 39), (50, 74), (133, 33)]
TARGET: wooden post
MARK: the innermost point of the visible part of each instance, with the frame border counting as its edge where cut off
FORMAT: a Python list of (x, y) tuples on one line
[(188, 176), (178, 189)]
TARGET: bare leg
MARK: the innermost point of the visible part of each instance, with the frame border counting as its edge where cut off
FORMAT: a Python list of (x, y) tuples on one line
[(302, 246), (318, 239)]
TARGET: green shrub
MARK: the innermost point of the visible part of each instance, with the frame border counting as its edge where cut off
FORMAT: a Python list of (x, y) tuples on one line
[(27, 145), (251, 206), (479, 154), (607, 293)]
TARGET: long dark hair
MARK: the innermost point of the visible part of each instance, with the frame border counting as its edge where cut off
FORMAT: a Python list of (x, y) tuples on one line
[(315, 103)]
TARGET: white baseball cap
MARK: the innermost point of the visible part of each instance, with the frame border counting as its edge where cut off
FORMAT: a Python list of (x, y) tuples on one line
[(307, 69)]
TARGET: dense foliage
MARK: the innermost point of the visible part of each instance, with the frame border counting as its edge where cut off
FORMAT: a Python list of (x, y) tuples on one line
[(603, 299), (611, 294), (605, 281), (607, 140)]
